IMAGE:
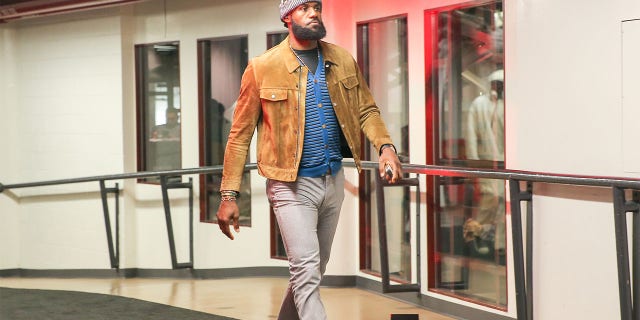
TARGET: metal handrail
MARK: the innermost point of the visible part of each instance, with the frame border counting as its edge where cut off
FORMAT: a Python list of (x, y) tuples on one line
[(120, 176), (506, 174), (434, 170), (523, 274)]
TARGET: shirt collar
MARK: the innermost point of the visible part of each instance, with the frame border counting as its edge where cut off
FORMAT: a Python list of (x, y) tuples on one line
[(292, 62)]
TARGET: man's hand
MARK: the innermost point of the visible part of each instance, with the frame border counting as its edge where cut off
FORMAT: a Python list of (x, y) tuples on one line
[(228, 213), (389, 159)]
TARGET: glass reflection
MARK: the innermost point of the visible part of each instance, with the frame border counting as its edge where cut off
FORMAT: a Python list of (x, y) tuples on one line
[(222, 62), (387, 76), (158, 91), (468, 98)]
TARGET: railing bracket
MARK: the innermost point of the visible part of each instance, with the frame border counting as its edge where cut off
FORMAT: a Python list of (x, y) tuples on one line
[(114, 251), (166, 184)]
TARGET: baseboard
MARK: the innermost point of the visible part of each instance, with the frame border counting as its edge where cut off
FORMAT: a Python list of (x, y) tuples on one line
[(149, 273), (338, 281), (327, 281), (61, 273), (9, 273)]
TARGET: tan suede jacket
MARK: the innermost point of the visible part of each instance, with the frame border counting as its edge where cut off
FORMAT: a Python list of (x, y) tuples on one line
[(272, 98)]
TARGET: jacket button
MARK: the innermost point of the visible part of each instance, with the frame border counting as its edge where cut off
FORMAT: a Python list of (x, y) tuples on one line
[(273, 96)]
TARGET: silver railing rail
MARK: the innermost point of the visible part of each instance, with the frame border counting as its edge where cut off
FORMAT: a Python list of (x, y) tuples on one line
[(622, 203)]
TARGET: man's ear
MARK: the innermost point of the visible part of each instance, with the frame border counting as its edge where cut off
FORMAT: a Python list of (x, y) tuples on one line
[(287, 19)]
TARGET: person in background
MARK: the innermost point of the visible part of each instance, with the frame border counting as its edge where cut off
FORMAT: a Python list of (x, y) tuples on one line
[(171, 129), (164, 146), (309, 102), (485, 141)]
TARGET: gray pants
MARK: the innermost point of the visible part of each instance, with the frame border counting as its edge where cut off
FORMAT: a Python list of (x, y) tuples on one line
[(307, 211)]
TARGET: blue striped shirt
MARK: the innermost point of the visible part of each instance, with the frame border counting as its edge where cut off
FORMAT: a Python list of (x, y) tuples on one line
[(321, 149)]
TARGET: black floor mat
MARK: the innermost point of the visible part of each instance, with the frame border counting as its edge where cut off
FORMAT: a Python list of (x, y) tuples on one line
[(31, 304)]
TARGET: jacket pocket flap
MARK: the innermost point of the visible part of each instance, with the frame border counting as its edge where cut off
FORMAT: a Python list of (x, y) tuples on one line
[(273, 94), (350, 82)]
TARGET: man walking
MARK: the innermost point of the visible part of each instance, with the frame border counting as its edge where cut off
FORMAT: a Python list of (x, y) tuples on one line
[(310, 104)]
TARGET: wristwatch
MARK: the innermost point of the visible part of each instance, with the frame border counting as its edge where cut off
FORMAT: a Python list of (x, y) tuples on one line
[(387, 145)]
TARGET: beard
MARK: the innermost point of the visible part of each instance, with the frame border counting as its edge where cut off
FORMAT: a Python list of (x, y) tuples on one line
[(309, 33)]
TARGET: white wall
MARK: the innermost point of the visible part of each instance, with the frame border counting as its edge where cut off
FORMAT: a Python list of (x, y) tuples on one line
[(563, 86), (69, 98), (565, 70), (9, 228), (9, 234), (631, 96), (60, 89)]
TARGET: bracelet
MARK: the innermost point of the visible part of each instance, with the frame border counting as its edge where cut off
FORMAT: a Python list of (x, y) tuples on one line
[(227, 198), (229, 195), (388, 145)]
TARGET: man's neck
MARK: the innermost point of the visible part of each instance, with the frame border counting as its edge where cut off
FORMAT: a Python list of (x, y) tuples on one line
[(298, 44)]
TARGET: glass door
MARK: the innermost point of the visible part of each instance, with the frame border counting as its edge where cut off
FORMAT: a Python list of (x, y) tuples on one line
[(221, 65), (382, 56), (465, 100)]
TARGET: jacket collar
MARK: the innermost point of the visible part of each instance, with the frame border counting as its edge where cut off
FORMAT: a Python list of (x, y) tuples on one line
[(291, 61)]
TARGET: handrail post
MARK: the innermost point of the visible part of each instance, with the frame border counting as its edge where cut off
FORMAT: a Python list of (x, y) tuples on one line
[(191, 221), (387, 287), (528, 197), (114, 252), (165, 184), (622, 253), (522, 295), (634, 206)]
